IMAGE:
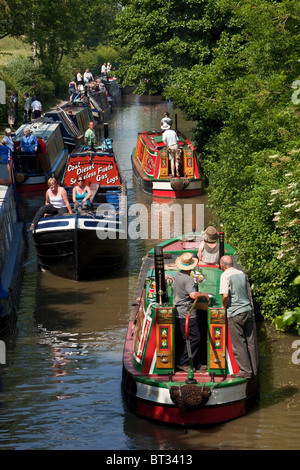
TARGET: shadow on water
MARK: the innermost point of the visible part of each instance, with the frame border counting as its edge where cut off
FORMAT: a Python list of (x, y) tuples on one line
[(270, 362)]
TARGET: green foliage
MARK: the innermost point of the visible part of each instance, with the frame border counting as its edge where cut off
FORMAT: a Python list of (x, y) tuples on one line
[(25, 77), (230, 66)]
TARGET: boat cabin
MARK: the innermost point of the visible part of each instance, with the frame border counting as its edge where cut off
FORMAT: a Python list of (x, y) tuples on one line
[(32, 173), (153, 156)]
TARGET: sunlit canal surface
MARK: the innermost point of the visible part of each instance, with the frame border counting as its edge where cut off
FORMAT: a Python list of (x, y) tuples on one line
[(61, 386)]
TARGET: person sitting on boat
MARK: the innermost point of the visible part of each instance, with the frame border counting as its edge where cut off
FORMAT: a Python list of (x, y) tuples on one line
[(208, 252), (184, 295), (90, 136), (236, 300), (28, 146), (81, 194), (170, 139), (57, 202), (166, 119)]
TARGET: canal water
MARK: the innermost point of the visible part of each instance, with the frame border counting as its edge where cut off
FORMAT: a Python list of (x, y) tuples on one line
[(61, 386)]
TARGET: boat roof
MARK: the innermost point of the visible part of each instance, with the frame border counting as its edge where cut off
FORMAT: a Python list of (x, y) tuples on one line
[(42, 129), (153, 139)]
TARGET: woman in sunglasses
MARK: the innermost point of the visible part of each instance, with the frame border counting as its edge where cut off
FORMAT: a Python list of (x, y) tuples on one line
[(56, 203), (81, 194)]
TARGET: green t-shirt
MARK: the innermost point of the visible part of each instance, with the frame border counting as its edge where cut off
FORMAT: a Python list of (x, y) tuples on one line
[(234, 282), (90, 136)]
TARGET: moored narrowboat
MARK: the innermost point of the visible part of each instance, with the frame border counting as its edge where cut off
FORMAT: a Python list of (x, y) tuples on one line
[(152, 384), (150, 162), (92, 242), (71, 135), (13, 245), (80, 114), (31, 174)]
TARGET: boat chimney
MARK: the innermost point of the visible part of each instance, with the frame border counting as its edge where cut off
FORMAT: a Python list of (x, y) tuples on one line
[(105, 126), (161, 295), (221, 244)]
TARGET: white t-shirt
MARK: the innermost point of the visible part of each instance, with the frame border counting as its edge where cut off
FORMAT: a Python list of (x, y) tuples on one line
[(36, 105), (8, 143), (170, 138)]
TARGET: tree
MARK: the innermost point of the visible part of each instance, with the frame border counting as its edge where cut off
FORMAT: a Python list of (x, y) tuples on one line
[(58, 27)]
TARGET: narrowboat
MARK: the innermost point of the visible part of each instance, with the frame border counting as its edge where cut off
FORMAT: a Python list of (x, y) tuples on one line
[(114, 91), (96, 100), (80, 114), (50, 159), (92, 242), (150, 164), (13, 246), (153, 387), (71, 134)]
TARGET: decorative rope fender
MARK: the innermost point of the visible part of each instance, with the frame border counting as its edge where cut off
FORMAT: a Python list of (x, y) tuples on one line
[(178, 184), (189, 397)]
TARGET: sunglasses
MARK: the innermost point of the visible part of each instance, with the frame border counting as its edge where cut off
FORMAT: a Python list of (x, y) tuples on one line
[(79, 181)]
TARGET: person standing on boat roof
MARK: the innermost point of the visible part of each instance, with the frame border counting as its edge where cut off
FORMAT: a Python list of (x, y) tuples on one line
[(208, 252), (28, 146), (90, 136), (184, 295), (166, 119), (241, 322), (57, 202), (81, 194), (170, 140)]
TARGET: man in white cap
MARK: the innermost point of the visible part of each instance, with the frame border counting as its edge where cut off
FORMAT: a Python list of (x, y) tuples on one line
[(184, 295), (170, 140), (166, 119)]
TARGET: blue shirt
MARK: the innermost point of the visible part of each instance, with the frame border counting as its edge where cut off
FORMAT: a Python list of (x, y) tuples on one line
[(28, 144)]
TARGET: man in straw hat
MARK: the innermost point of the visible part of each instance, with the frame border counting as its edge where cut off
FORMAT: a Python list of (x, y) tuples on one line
[(208, 252), (185, 293)]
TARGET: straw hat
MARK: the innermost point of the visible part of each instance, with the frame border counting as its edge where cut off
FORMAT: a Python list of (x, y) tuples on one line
[(211, 235), (186, 262)]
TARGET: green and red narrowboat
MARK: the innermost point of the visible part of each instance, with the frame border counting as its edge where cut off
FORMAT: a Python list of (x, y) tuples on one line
[(150, 162), (152, 387)]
